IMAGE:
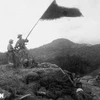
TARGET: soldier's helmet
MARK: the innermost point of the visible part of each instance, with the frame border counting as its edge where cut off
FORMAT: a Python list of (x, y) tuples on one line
[(10, 41), (19, 35)]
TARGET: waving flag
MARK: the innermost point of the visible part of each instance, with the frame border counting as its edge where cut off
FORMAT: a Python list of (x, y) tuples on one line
[(55, 11)]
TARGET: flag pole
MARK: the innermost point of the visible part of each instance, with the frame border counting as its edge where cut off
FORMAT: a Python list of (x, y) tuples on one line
[(32, 28), (37, 21)]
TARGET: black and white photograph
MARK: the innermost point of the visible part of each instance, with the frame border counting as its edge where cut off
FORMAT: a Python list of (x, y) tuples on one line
[(49, 49)]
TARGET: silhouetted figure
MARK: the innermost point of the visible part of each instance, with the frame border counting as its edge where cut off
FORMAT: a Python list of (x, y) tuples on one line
[(21, 49), (11, 58)]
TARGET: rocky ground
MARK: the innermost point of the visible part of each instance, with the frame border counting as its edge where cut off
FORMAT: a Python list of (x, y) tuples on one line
[(91, 85), (45, 82)]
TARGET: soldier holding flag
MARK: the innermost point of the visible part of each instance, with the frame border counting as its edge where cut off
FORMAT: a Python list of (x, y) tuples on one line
[(20, 43), (21, 48)]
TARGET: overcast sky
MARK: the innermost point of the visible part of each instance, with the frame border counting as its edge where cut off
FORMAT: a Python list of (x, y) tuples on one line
[(19, 16)]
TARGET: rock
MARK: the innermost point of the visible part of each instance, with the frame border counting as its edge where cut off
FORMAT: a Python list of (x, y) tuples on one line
[(68, 98), (51, 95), (91, 81), (87, 77), (42, 92), (34, 87), (60, 99), (96, 92), (42, 89), (47, 65), (83, 81), (31, 77)]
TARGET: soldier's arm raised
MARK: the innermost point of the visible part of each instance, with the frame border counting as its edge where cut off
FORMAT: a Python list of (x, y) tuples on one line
[(26, 40)]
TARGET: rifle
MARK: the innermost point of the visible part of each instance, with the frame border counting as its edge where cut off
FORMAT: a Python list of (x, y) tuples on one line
[(67, 76)]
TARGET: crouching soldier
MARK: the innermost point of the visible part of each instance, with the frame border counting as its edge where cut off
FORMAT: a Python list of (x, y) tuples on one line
[(81, 94), (29, 63), (26, 63), (32, 63)]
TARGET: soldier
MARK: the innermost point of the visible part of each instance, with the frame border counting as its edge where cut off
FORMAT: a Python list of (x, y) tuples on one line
[(33, 63), (21, 43), (10, 52), (21, 48), (80, 92), (26, 63)]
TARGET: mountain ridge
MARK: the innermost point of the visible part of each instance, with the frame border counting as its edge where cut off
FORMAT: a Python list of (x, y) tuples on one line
[(67, 54), (56, 45)]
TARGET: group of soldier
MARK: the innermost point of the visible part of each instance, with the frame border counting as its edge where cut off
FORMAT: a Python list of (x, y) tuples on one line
[(18, 53)]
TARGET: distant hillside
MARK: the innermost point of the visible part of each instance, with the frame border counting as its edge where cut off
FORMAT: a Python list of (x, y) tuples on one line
[(55, 48), (66, 54)]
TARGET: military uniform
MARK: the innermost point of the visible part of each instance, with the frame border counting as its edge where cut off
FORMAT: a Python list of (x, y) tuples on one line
[(80, 94), (26, 63), (21, 48), (10, 52), (21, 44)]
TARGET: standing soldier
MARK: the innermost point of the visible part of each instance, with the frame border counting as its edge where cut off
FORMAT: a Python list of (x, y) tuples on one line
[(21, 43), (10, 52), (21, 48)]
